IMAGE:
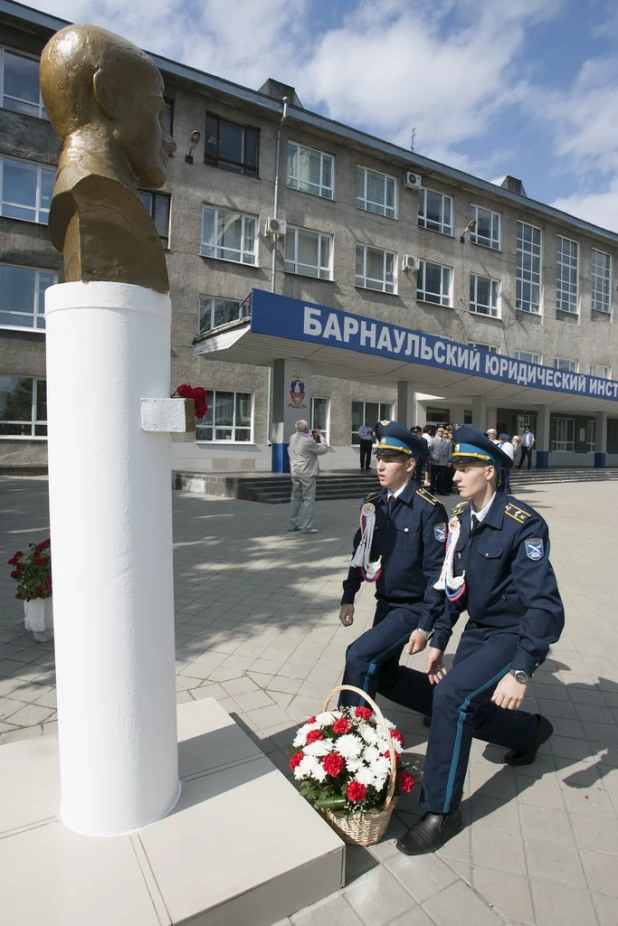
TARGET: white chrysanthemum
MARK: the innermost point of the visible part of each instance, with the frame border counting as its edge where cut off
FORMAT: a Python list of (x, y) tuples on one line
[(364, 776), (369, 733), (370, 753), (306, 767), (353, 765), (382, 745), (379, 781), (380, 766), (327, 718), (301, 737), (319, 748), (318, 773), (349, 746), (391, 726)]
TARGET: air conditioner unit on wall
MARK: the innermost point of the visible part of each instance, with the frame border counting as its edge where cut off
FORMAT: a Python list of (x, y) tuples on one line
[(412, 181), (410, 263), (275, 227)]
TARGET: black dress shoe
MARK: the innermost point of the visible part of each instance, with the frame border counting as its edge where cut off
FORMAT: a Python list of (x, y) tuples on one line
[(527, 756), (430, 832)]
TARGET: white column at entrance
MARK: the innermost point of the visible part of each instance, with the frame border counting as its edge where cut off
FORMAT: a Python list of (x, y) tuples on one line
[(600, 455), (409, 410), (543, 437), (479, 412), (291, 391), (108, 346)]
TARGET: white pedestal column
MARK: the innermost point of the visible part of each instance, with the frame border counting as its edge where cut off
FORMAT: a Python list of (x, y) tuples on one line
[(108, 346), (479, 412)]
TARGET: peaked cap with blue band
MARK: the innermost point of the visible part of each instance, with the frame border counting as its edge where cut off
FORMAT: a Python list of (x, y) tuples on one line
[(471, 445), (394, 438)]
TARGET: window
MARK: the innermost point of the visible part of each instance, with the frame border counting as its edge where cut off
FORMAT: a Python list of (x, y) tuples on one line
[(435, 415), (528, 273), (488, 347), (22, 289), (231, 146), (229, 236), (563, 434), (487, 228), (308, 253), (26, 190), (23, 407), (376, 192), (567, 275), (168, 119), (158, 205), (318, 416), (310, 171), (368, 411), (375, 269), (591, 435), (433, 283), (568, 366), (215, 312), (597, 369), (435, 211), (19, 84), (527, 356), (227, 419), (484, 296), (601, 281)]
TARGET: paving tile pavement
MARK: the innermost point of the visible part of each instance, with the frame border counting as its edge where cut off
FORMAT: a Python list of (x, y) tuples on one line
[(256, 628)]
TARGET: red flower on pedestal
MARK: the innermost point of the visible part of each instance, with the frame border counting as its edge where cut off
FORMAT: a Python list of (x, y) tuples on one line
[(198, 394), (356, 792), (333, 764)]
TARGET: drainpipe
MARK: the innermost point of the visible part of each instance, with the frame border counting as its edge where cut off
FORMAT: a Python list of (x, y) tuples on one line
[(273, 268)]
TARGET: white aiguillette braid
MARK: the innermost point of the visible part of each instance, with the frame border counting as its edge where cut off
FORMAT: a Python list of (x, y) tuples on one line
[(362, 554), (448, 582)]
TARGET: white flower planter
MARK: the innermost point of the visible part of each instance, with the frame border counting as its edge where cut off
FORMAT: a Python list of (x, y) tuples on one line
[(39, 618)]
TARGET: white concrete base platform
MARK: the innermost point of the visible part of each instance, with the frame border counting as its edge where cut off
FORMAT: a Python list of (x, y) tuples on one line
[(241, 847)]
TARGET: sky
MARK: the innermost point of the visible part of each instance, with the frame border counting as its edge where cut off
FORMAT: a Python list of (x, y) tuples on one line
[(521, 87)]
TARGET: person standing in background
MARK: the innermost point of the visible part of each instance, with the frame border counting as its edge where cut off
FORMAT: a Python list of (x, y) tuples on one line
[(440, 449), (505, 445), (366, 435), (527, 446), (303, 452)]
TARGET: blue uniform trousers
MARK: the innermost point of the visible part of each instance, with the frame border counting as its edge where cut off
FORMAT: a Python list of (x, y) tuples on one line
[(372, 661), (460, 707)]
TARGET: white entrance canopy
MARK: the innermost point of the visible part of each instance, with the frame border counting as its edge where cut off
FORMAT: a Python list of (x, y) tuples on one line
[(346, 346)]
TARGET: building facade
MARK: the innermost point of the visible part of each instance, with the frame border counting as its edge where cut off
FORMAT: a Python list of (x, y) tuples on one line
[(273, 198)]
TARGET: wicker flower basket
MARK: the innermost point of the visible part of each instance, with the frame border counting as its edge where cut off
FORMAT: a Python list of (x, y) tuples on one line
[(365, 828)]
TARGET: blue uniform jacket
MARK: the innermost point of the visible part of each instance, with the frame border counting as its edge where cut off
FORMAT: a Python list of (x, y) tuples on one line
[(510, 583), (411, 542)]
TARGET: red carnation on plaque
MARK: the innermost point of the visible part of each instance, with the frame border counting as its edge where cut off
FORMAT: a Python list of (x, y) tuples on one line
[(356, 792), (333, 764), (296, 759), (342, 726), (365, 713), (313, 736), (198, 394)]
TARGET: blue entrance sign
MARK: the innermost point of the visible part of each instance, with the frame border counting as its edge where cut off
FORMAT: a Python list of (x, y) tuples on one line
[(283, 317)]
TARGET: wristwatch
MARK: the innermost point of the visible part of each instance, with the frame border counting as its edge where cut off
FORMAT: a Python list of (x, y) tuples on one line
[(426, 633), (520, 676)]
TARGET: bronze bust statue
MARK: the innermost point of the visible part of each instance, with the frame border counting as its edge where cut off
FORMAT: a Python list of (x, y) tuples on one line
[(104, 99)]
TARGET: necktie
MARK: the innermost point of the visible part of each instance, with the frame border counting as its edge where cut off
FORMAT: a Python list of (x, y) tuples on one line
[(391, 505), (475, 523)]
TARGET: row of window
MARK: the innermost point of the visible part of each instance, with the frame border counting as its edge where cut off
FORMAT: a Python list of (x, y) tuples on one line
[(23, 413)]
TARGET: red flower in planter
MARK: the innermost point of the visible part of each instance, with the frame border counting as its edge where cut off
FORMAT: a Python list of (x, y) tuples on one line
[(356, 792)]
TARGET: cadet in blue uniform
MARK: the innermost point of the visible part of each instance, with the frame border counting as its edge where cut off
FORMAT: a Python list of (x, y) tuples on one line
[(400, 548), (497, 569)]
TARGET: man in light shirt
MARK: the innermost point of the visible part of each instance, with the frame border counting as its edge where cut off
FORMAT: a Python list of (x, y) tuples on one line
[(527, 445), (303, 452), (504, 443), (366, 435)]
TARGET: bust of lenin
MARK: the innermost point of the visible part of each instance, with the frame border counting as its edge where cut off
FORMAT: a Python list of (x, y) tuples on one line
[(104, 98)]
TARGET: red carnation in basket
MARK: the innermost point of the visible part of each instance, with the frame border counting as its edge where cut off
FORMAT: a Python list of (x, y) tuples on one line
[(342, 726), (333, 764), (405, 782), (296, 759), (387, 755), (397, 736), (356, 792), (365, 713), (311, 720), (313, 736)]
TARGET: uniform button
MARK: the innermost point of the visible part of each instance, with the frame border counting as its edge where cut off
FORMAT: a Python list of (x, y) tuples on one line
[(486, 555), (405, 530)]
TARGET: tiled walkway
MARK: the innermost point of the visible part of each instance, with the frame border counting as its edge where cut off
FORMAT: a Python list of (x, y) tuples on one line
[(257, 628)]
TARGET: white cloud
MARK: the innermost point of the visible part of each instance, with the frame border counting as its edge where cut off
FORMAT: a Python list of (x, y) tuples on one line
[(598, 208)]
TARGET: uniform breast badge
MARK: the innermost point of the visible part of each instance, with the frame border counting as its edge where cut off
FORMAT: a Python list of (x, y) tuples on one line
[(453, 586), (370, 571)]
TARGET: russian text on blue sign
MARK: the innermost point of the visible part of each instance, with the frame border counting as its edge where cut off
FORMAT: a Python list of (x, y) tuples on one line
[(283, 317)]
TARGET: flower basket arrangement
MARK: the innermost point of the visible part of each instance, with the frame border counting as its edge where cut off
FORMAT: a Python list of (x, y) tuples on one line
[(348, 761), (32, 571), (198, 394)]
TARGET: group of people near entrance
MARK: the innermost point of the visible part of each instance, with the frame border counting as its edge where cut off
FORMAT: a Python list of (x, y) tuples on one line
[(489, 559)]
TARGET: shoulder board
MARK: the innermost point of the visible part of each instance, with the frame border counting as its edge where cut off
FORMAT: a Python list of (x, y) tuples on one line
[(459, 509), (372, 497), (518, 514), (427, 496)]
